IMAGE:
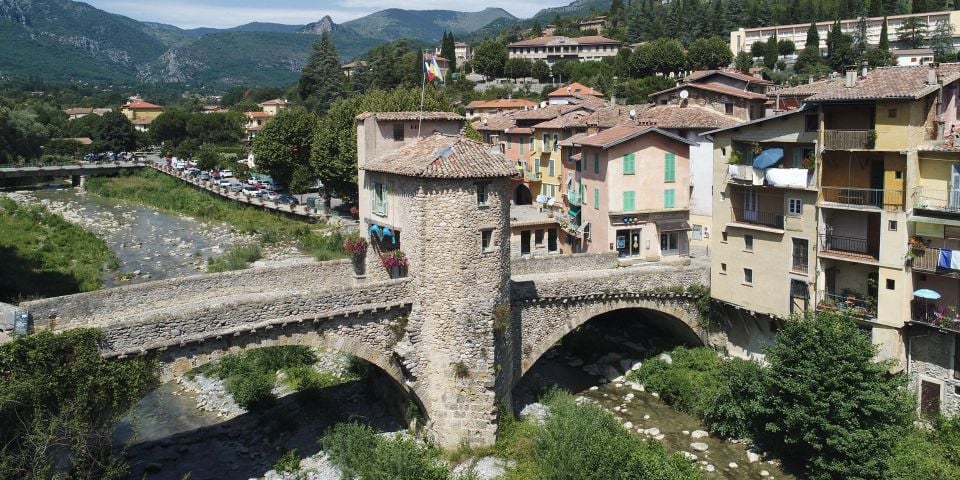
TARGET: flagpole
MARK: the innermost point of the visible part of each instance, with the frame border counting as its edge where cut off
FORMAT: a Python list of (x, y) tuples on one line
[(423, 90)]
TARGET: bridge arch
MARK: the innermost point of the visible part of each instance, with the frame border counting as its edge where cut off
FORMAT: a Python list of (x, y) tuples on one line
[(544, 323)]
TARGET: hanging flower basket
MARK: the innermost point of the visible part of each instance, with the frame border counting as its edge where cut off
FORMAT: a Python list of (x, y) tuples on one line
[(357, 246), (396, 262)]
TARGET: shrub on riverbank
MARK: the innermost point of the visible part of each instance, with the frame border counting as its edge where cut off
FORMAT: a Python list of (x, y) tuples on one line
[(158, 190), (584, 441), (237, 258), (59, 401), (362, 453), (923, 454), (44, 255)]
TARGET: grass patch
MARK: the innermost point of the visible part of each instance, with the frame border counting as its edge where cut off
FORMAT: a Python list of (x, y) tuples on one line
[(44, 255), (250, 376), (158, 190), (237, 258), (688, 383), (289, 462), (362, 453)]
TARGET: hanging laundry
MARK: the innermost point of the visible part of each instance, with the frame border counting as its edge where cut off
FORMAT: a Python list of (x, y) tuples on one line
[(955, 260), (945, 258)]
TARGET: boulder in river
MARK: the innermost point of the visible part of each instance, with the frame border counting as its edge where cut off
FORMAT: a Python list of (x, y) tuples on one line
[(699, 446)]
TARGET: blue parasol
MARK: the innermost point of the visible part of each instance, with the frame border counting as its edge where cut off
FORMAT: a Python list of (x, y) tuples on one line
[(768, 158), (927, 294)]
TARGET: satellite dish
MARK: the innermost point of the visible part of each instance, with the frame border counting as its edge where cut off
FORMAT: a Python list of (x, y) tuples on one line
[(684, 94), (633, 113)]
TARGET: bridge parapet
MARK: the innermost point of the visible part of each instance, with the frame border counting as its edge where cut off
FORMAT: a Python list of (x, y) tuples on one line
[(562, 263), (64, 312), (635, 279)]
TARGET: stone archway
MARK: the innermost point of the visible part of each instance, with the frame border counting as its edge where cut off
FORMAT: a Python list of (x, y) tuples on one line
[(544, 324), (522, 195)]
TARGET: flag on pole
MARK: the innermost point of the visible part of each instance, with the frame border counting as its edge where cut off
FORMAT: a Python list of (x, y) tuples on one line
[(432, 69), (436, 68), (428, 69)]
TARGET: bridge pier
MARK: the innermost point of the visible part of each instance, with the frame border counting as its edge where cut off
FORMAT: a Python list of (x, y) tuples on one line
[(78, 181)]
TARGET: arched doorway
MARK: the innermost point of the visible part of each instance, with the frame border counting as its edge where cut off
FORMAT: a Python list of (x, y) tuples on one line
[(522, 195)]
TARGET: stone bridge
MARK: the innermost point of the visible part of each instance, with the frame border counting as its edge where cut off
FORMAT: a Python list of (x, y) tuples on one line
[(187, 322), (75, 170)]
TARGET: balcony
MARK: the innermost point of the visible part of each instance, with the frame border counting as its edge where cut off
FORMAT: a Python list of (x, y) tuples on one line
[(863, 197), (849, 247), (753, 217), (947, 201), (849, 139), (574, 199), (933, 260), (932, 313), (848, 301), (532, 176)]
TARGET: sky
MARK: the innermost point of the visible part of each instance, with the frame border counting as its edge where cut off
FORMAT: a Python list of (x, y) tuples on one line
[(230, 13)]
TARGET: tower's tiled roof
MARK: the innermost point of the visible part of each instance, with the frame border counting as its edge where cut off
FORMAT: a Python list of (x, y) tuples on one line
[(444, 156), (407, 116)]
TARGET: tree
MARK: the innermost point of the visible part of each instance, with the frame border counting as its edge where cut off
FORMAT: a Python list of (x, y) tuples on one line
[(207, 158), (840, 52), (860, 35), (517, 68), (709, 53), (913, 32), (540, 70), (321, 78), (169, 127), (743, 62), (536, 29), (285, 143), (489, 58), (771, 52), (616, 6), (829, 408), (21, 136), (302, 180), (786, 47), (115, 133), (448, 50), (884, 40), (941, 41), (663, 56)]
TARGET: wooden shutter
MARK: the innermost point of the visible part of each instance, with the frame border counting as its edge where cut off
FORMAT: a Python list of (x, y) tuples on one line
[(668, 198), (628, 164), (628, 205), (670, 168)]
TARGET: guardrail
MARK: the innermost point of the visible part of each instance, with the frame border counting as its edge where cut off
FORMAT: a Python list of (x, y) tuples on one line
[(842, 245), (939, 200), (752, 217), (852, 303), (863, 197)]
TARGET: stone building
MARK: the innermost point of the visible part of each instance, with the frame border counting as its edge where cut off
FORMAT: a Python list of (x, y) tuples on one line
[(442, 200)]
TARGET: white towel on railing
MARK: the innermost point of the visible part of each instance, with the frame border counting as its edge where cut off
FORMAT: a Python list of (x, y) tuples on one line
[(955, 260)]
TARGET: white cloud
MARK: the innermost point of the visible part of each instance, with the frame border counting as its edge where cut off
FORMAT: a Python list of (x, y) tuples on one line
[(221, 14)]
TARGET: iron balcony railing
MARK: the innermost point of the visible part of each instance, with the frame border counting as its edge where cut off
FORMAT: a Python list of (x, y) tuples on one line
[(532, 175), (849, 139), (842, 245), (800, 263), (753, 217), (940, 200), (935, 314), (852, 303), (933, 259), (864, 197)]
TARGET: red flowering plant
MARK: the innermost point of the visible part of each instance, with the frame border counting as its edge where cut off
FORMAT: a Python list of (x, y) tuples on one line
[(392, 259), (356, 245)]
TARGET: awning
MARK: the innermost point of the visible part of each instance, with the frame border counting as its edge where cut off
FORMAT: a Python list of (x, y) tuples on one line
[(672, 226), (572, 212), (768, 158)]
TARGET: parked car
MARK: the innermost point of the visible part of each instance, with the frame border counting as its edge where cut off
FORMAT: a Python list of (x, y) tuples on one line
[(235, 186), (223, 182), (288, 199), (205, 176), (271, 196), (226, 173), (250, 191)]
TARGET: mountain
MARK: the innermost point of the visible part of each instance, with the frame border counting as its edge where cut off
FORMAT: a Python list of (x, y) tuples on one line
[(428, 25), (68, 40), (578, 8)]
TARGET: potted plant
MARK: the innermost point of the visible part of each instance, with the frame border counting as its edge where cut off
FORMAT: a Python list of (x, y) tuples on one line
[(357, 246), (354, 212), (396, 262), (917, 247)]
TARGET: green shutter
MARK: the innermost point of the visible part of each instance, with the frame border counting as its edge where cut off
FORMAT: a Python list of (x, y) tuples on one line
[(596, 163), (668, 198), (628, 201), (583, 191), (596, 198), (552, 168), (670, 168), (533, 143), (628, 164)]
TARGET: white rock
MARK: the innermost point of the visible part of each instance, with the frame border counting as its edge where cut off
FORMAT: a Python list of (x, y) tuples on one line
[(594, 388), (628, 425), (666, 358), (753, 457), (652, 431), (699, 434), (655, 395), (659, 437), (686, 432), (576, 362), (636, 366), (710, 468), (618, 385), (699, 446), (733, 465), (646, 417), (689, 456), (764, 473), (628, 397)]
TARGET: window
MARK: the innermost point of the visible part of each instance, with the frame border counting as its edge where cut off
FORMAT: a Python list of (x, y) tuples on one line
[(669, 196), (748, 242), (811, 122), (794, 206), (533, 144), (669, 168), (525, 242), (669, 243), (697, 232), (546, 141), (556, 142), (552, 168), (596, 162), (891, 284), (723, 268), (748, 276), (486, 240), (521, 143), (728, 108), (481, 195), (956, 357), (509, 142), (379, 198), (892, 113), (552, 240), (892, 225), (538, 237), (579, 166), (628, 201), (800, 255), (629, 166), (397, 132), (596, 198)]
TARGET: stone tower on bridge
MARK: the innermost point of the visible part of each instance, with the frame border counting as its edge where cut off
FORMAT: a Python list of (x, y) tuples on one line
[(443, 201)]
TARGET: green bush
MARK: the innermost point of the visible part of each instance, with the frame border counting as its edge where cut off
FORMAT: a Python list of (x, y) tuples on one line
[(237, 258), (920, 456), (736, 408), (306, 378), (289, 462), (60, 399), (689, 383), (252, 391), (250, 376), (363, 454)]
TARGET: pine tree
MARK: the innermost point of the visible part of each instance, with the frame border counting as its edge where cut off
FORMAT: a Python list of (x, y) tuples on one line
[(813, 36), (941, 41), (448, 50), (733, 14), (913, 31), (321, 80), (860, 35), (884, 40)]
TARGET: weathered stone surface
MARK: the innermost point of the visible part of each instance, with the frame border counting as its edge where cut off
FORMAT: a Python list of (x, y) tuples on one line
[(699, 446)]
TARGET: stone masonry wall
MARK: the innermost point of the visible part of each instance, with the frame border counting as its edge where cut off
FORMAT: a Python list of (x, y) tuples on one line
[(932, 360), (132, 299), (562, 263), (642, 278)]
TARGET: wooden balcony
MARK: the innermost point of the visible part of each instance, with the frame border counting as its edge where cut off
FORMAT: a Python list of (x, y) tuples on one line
[(849, 139)]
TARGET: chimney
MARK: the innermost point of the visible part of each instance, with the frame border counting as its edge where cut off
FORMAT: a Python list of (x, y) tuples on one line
[(932, 73), (810, 80), (863, 69), (851, 79)]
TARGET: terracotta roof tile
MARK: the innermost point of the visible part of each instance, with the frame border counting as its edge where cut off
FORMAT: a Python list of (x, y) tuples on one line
[(717, 88), (807, 89), (140, 104), (889, 83), (502, 103), (275, 101), (574, 88), (546, 113), (623, 133), (496, 123), (445, 156), (404, 116), (701, 74), (691, 116)]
